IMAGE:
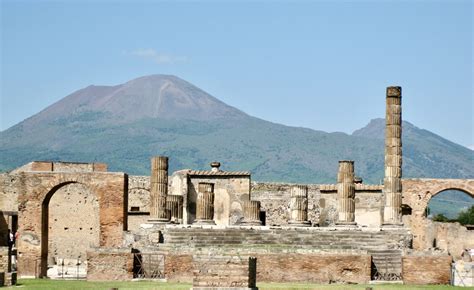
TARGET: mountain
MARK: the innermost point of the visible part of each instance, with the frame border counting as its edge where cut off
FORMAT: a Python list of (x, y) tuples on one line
[(125, 125)]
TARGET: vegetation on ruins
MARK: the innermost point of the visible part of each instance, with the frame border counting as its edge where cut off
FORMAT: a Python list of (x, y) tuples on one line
[(465, 217)]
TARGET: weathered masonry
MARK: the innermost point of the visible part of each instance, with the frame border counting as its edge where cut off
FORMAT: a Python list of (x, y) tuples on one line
[(79, 220)]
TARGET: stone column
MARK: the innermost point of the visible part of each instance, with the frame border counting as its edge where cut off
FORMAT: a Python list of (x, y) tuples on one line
[(393, 158), (205, 204), (299, 206), (158, 189), (346, 193), (252, 213), (174, 205)]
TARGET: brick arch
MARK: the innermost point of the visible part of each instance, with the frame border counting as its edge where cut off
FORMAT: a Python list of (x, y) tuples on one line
[(110, 190), (417, 193), (45, 224)]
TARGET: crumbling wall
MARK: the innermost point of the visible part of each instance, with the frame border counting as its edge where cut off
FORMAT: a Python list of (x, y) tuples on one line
[(452, 238), (322, 203), (230, 192)]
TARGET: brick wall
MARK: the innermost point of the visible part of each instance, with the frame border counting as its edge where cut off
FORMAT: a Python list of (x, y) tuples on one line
[(107, 265), (313, 268), (179, 268), (286, 267), (426, 269)]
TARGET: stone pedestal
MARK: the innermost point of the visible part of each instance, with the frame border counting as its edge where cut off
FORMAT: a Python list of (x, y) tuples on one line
[(174, 205), (158, 189), (299, 206), (205, 204), (346, 194), (392, 215), (251, 213)]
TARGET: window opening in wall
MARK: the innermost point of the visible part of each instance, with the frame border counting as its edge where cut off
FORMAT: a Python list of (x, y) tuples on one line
[(135, 208), (451, 206)]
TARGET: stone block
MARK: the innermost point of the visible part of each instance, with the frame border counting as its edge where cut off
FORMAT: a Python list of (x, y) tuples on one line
[(426, 269), (42, 166)]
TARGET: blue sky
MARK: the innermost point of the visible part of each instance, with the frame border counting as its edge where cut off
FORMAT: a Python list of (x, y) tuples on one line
[(317, 64)]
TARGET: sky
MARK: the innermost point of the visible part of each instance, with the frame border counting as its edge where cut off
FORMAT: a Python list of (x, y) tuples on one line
[(317, 64)]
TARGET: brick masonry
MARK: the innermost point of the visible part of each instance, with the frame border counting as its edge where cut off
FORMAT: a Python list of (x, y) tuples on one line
[(288, 267), (33, 201), (109, 265), (313, 268), (426, 269)]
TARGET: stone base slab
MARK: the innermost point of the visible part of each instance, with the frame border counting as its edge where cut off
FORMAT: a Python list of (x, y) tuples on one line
[(299, 224), (204, 222), (251, 223)]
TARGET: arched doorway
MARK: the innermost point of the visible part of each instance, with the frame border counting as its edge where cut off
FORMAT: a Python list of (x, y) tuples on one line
[(71, 226), (447, 204)]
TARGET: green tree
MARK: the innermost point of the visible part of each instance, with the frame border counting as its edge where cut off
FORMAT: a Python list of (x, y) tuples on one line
[(441, 218), (466, 217)]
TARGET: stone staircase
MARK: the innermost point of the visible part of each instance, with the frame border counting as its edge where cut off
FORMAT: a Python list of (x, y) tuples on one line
[(386, 264), (313, 238)]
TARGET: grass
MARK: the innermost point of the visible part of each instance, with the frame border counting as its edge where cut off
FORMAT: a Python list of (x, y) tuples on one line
[(46, 284)]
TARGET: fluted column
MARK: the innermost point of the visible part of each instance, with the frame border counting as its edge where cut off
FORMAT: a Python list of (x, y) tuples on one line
[(299, 206), (159, 189), (252, 213), (393, 158), (205, 204), (174, 205), (346, 193)]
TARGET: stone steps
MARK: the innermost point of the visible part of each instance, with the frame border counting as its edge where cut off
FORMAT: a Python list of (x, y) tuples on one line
[(316, 239), (387, 263)]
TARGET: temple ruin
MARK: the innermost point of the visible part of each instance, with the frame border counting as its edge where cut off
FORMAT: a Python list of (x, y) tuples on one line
[(79, 220)]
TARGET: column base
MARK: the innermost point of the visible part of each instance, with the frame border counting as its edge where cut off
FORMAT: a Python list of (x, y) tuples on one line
[(204, 222), (392, 225), (299, 223), (158, 221), (251, 223), (346, 224)]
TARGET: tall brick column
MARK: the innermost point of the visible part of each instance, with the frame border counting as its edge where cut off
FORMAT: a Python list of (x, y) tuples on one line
[(346, 193), (299, 206), (205, 204), (159, 189), (393, 158), (252, 213)]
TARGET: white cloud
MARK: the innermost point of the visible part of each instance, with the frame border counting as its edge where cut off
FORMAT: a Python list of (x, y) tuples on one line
[(157, 57), (471, 147)]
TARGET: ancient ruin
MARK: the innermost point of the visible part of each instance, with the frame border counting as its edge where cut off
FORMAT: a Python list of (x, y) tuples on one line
[(79, 220)]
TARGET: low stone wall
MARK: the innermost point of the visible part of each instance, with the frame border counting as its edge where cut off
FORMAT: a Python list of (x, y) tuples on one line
[(313, 268), (425, 269), (109, 264), (179, 268)]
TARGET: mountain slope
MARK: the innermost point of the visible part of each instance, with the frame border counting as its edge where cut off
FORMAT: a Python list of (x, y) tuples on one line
[(125, 125)]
